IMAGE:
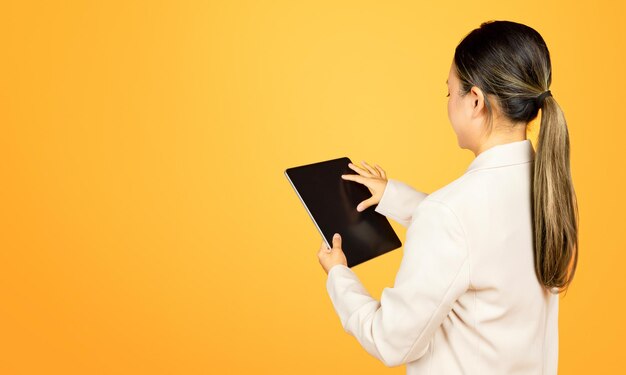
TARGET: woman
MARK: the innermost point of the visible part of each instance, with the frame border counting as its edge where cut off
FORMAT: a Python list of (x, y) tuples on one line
[(485, 257)]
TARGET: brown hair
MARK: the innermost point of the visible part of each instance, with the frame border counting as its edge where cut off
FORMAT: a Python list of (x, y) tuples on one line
[(511, 62)]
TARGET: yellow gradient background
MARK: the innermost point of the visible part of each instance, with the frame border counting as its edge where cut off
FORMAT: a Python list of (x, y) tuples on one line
[(146, 226)]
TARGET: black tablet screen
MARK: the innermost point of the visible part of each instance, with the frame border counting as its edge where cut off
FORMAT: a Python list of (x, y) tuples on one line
[(331, 202)]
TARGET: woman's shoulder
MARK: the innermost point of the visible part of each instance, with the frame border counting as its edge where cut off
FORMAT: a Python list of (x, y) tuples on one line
[(489, 190), (467, 185)]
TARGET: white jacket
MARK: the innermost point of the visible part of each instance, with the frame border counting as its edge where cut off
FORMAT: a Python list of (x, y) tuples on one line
[(466, 299)]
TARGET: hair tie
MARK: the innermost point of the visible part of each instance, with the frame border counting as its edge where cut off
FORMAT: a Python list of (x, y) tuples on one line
[(539, 100)]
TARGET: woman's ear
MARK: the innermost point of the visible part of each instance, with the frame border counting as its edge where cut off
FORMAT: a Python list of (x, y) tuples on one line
[(478, 101)]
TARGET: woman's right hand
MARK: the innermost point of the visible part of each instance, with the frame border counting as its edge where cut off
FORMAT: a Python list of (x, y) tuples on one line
[(374, 178)]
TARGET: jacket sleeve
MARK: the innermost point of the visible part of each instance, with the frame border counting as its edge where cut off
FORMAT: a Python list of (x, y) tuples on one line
[(399, 201), (433, 274)]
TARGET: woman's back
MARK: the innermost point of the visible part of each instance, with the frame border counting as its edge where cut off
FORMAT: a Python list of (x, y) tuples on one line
[(506, 322)]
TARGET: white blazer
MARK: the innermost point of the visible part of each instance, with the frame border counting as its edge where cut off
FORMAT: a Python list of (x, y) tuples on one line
[(466, 299)]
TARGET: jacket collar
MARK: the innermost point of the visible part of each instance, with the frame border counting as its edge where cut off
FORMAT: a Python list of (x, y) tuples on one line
[(504, 154)]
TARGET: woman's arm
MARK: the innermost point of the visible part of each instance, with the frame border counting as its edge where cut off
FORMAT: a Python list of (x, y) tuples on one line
[(434, 273), (399, 201)]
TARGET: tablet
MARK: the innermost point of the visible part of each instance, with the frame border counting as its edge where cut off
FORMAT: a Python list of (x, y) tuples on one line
[(331, 202)]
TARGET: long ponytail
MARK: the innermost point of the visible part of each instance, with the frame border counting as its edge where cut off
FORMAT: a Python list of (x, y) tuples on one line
[(555, 209)]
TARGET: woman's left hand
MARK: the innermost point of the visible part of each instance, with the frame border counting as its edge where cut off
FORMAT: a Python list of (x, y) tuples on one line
[(331, 257)]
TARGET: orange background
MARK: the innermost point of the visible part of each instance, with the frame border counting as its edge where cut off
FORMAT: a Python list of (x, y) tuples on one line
[(146, 224)]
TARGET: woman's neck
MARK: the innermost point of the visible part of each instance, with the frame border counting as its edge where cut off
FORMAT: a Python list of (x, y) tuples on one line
[(502, 138)]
